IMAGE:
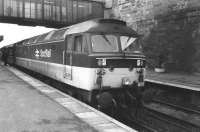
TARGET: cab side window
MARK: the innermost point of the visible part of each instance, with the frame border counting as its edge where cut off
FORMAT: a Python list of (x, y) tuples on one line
[(69, 43), (85, 45), (78, 44)]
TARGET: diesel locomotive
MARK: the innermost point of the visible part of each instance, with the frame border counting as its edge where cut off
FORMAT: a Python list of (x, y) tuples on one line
[(99, 60)]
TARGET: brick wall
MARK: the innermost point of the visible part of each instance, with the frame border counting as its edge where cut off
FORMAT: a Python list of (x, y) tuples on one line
[(171, 30)]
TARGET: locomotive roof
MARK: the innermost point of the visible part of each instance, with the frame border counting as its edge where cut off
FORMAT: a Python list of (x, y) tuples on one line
[(101, 26), (91, 26)]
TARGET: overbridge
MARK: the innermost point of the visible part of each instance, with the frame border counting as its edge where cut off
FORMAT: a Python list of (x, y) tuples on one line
[(49, 13)]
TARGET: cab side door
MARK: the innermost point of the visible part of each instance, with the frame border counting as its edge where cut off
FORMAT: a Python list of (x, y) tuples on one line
[(67, 57)]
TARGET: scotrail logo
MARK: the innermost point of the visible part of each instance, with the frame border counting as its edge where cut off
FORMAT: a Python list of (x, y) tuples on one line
[(46, 53)]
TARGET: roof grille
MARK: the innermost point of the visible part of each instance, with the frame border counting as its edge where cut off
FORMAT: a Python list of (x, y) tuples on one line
[(113, 21)]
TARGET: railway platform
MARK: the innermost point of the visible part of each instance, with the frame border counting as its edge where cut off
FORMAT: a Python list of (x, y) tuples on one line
[(28, 105), (182, 80)]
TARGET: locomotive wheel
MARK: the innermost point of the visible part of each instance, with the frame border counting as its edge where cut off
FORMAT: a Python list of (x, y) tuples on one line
[(104, 100)]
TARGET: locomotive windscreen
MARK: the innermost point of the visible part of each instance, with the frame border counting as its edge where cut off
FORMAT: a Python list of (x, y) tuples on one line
[(115, 43), (105, 43), (130, 44)]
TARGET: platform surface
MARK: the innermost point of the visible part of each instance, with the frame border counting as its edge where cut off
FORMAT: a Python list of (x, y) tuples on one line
[(24, 109), (180, 79), (28, 105)]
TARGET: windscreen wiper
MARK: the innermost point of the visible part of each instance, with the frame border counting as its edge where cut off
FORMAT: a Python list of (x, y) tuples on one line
[(126, 43), (107, 40)]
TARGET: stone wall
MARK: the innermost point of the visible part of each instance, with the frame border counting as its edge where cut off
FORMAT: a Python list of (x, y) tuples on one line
[(171, 30)]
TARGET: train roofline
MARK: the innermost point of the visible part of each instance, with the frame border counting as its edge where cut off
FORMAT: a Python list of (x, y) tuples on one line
[(96, 26)]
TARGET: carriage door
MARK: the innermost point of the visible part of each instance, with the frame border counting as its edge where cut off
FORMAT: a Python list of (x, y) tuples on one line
[(67, 57)]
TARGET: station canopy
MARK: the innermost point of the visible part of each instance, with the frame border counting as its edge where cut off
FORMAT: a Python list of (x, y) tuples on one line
[(49, 13)]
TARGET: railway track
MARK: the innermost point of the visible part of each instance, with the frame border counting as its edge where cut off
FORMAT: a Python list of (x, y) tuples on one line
[(164, 115), (175, 95), (149, 119), (185, 106), (179, 107), (165, 123)]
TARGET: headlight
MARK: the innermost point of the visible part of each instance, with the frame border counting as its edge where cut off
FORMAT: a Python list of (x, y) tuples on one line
[(126, 81), (101, 62), (140, 63)]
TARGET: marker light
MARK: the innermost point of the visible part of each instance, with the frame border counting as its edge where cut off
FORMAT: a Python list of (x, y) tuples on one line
[(126, 81), (140, 62), (101, 62)]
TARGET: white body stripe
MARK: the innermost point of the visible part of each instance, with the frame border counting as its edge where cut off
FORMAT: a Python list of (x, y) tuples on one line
[(84, 78), (114, 79)]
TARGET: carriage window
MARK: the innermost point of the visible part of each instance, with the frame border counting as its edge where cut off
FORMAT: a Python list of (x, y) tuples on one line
[(130, 44), (104, 43), (78, 43)]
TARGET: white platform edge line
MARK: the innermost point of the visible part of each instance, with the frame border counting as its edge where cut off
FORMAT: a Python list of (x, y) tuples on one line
[(85, 105), (173, 84), (102, 114)]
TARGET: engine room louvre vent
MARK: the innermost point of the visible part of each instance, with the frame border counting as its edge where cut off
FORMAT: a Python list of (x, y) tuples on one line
[(112, 21)]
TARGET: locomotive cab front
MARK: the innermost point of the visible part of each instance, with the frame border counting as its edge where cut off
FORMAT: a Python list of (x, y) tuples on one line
[(119, 61), (93, 58)]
